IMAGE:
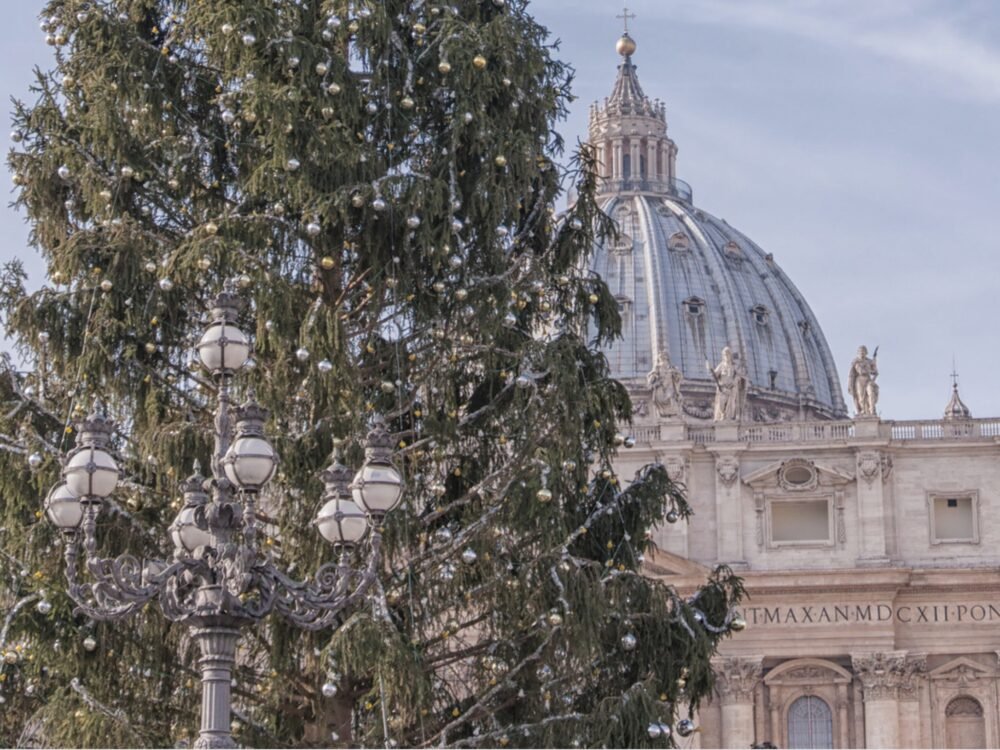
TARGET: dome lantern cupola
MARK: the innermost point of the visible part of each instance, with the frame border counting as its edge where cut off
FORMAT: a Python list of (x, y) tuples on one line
[(629, 134)]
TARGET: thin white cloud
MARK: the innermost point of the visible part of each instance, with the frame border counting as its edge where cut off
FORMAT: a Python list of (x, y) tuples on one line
[(920, 35)]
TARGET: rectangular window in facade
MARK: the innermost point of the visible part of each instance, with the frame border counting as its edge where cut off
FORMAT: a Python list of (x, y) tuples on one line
[(954, 517), (800, 522)]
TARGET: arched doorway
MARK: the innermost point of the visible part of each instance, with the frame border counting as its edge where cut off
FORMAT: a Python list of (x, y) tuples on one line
[(810, 723), (965, 725)]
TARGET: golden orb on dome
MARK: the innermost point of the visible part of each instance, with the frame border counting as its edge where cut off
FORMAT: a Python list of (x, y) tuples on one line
[(625, 45)]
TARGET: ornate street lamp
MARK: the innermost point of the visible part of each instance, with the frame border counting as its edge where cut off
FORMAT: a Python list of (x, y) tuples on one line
[(218, 581)]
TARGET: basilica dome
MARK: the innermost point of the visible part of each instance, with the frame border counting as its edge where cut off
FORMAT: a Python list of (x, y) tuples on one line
[(688, 284)]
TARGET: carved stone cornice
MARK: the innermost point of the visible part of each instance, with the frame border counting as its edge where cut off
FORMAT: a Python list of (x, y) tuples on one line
[(881, 673), (736, 677)]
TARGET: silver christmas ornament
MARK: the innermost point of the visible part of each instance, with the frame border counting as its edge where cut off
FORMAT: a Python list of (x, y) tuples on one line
[(672, 516), (523, 382), (413, 222), (313, 228), (322, 68), (469, 556), (629, 642), (654, 731), (324, 365), (329, 689), (90, 643), (63, 172), (227, 28), (35, 460), (685, 727), (249, 40), (379, 204), (302, 354), (292, 164), (166, 284), (43, 337)]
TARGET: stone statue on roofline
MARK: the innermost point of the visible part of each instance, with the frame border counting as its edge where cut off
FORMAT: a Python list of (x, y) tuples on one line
[(665, 382), (861, 382), (731, 384)]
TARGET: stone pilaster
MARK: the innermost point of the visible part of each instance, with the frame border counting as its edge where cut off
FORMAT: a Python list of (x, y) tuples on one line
[(729, 510), (736, 680), (871, 508), (881, 674), (911, 682)]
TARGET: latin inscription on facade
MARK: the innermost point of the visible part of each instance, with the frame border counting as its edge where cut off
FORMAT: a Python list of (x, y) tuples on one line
[(907, 614)]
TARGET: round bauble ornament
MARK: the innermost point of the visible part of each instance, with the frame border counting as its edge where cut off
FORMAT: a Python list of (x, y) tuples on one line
[(379, 204), (211, 229), (166, 284), (629, 642), (438, 490), (107, 285), (249, 40), (629, 442), (329, 690), (469, 556), (479, 62), (387, 387), (127, 172), (324, 366), (43, 337), (90, 643), (685, 727), (576, 224), (413, 222), (302, 354), (357, 200), (443, 535), (244, 280), (555, 619), (444, 67), (593, 299), (500, 160), (228, 116), (35, 460), (327, 262), (292, 164), (371, 108), (322, 68), (333, 88), (313, 228), (43, 607), (461, 294), (333, 22), (150, 347), (523, 382), (737, 624), (63, 172), (544, 495), (11, 657), (653, 731), (467, 117), (406, 102), (204, 263), (569, 466), (672, 516)]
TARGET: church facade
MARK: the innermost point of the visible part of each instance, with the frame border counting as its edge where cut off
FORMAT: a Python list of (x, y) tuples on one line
[(869, 547)]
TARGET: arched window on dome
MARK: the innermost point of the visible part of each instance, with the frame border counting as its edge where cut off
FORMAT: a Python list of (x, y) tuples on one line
[(694, 306)]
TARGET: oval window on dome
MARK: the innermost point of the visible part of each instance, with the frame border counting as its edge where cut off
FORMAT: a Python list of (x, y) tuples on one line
[(679, 241), (760, 314)]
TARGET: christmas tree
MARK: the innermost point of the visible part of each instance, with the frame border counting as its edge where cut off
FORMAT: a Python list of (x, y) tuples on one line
[(379, 180)]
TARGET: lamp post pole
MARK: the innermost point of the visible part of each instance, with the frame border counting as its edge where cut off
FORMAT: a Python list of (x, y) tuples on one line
[(218, 581)]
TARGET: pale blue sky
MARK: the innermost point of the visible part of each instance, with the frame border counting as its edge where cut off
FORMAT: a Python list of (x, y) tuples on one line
[(854, 140)]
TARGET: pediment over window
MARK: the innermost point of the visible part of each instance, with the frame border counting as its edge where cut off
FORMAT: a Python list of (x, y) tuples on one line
[(807, 672), (662, 564), (798, 474), (961, 671)]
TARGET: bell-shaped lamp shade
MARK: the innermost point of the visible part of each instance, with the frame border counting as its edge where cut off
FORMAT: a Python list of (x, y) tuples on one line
[(377, 488), (91, 472), (223, 348), (185, 533), (250, 462), (341, 521), (63, 508)]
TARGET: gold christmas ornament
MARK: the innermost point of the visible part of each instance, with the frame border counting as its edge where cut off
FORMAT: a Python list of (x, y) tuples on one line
[(500, 161), (479, 62), (444, 67), (544, 495), (326, 262), (593, 298)]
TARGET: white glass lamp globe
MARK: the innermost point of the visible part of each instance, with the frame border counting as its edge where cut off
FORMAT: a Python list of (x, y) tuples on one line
[(377, 488), (223, 348), (250, 462), (91, 472), (63, 508), (341, 521), (185, 533)]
